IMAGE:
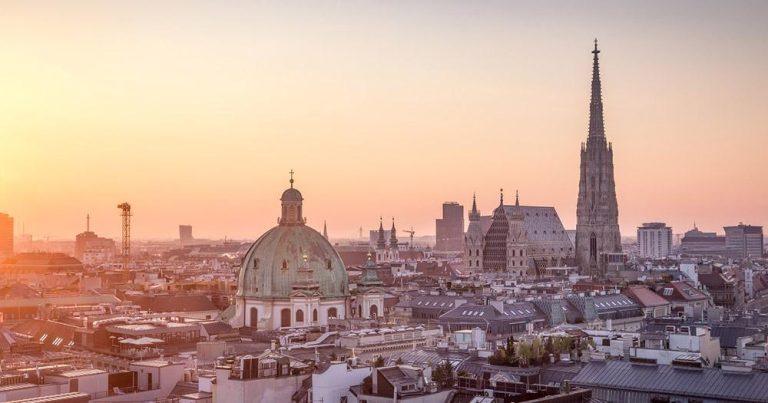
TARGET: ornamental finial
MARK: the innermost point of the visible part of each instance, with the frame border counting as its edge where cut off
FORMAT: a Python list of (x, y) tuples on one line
[(291, 172)]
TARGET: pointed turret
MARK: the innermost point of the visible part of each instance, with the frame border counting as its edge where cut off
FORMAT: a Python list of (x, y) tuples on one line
[(474, 214), (381, 243), (393, 235)]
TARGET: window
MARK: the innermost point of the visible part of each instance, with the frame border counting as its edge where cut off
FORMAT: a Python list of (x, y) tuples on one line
[(314, 315), (285, 264), (328, 264), (332, 313)]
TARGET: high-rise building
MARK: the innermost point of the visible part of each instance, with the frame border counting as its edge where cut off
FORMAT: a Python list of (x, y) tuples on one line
[(654, 240), (597, 211), (185, 235), (449, 230), (744, 241), (6, 235)]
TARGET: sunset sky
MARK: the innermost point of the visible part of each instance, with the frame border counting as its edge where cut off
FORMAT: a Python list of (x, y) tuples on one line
[(195, 111)]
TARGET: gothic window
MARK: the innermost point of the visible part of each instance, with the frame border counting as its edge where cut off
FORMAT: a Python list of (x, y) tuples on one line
[(470, 252), (593, 247)]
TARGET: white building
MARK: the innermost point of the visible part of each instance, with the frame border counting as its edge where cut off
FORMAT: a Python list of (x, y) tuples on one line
[(654, 240)]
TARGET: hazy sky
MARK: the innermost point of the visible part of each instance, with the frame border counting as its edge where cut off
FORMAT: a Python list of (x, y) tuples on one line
[(194, 112)]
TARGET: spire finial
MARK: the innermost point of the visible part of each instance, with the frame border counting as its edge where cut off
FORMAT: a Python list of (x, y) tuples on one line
[(501, 198), (291, 172), (88, 222), (596, 45), (517, 198)]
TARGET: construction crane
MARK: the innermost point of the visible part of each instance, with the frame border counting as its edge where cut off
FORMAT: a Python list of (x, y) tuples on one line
[(126, 250), (411, 232)]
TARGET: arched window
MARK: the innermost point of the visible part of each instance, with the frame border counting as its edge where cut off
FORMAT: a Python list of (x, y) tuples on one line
[(285, 265), (332, 313), (477, 263), (285, 317), (477, 252), (299, 316), (470, 263), (374, 311), (593, 247), (470, 252), (314, 315)]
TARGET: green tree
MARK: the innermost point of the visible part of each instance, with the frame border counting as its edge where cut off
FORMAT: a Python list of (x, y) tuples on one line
[(442, 375), (379, 362)]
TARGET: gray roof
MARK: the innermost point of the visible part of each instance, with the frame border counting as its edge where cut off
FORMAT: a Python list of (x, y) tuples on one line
[(702, 383)]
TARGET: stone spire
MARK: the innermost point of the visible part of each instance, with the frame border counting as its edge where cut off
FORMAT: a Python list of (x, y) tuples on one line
[(474, 215), (596, 126), (381, 243), (393, 235), (597, 210), (517, 198), (325, 230)]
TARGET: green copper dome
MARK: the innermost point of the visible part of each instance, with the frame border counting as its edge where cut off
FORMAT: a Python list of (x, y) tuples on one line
[(271, 266)]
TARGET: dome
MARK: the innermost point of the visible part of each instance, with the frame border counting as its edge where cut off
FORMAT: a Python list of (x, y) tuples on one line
[(271, 266), (291, 194)]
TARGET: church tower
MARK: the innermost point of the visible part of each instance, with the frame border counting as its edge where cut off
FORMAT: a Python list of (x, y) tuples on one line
[(474, 241), (597, 211), (394, 252), (517, 242), (381, 244)]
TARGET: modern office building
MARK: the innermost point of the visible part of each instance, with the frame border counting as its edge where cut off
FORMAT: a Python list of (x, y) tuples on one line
[(654, 240), (6, 235), (744, 241), (449, 230)]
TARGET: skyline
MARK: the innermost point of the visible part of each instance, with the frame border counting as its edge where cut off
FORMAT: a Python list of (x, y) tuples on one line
[(213, 145)]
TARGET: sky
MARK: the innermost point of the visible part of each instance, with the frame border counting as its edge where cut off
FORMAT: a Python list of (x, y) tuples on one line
[(195, 111)]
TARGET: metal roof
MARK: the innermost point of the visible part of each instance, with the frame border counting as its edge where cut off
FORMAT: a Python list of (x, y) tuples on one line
[(701, 383)]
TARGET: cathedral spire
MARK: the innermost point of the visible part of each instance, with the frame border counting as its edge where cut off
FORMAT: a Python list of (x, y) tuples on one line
[(474, 214), (381, 243), (596, 126), (393, 235), (474, 203)]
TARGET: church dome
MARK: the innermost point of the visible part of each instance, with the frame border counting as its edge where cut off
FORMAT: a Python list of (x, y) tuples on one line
[(286, 254), (291, 195), (271, 266)]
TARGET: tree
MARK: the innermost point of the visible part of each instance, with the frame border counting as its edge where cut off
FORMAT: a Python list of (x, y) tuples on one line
[(399, 361), (379, 362), (333, 356), (442, 375)]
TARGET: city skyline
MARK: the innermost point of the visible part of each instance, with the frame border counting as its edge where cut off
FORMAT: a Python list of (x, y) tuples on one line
[(214, 143)]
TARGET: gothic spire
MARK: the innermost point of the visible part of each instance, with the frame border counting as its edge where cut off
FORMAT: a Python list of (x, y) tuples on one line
[(474, 214), (596, 127), (381, 243), (393, 235)]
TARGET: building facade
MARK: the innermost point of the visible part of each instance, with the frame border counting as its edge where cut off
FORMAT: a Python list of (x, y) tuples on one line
[(185, 235), (597, 211), (744, 241), (449, 230), (654, 240), (6, 235), (700, 243)]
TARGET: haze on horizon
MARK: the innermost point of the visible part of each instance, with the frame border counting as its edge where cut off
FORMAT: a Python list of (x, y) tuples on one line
[(195, 111)]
